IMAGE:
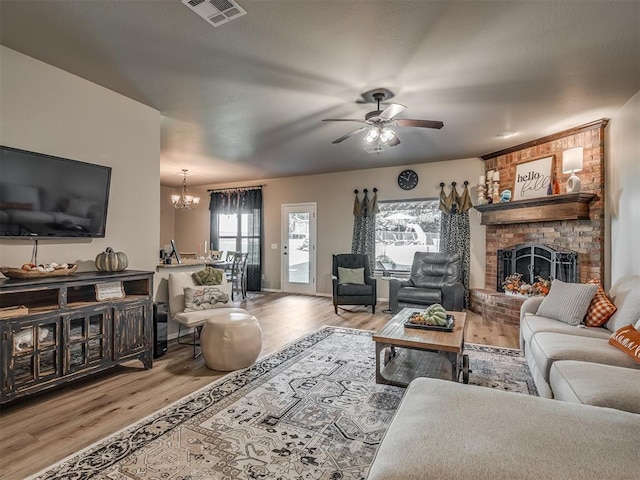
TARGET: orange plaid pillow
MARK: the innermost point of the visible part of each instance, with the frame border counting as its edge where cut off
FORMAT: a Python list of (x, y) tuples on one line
[(600, 309), (627, 339)]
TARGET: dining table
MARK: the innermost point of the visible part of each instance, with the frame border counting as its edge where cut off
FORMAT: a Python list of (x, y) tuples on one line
[(220, 264)]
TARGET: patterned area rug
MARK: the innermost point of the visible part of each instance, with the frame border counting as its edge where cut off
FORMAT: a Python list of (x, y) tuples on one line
[(310, 411)]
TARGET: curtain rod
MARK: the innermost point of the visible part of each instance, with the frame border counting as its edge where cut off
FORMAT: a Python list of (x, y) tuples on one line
[(235, 188), (453, 184)]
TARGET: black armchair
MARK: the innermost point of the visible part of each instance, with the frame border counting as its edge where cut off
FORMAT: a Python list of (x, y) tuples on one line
[(353, 293), (434, 279)]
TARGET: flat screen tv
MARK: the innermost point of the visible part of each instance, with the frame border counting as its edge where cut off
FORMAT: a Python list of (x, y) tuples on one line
[(42, 196)]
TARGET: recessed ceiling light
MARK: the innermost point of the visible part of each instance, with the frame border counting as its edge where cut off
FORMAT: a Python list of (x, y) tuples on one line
[(507, 134)]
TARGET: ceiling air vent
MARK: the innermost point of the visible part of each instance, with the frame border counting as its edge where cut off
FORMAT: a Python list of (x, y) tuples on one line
[(216, 12)]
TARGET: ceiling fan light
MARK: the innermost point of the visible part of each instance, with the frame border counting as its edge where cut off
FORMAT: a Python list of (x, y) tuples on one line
[(372, 135), (386, 135)]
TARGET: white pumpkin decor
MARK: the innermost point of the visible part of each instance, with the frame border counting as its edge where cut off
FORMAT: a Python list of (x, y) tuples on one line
[(111, 261)]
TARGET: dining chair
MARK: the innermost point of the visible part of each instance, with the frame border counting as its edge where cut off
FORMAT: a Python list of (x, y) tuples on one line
[(237, 274), (189, 255)]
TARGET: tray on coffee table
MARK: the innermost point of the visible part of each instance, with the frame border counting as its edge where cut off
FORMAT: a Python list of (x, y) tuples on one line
[(449, 327)]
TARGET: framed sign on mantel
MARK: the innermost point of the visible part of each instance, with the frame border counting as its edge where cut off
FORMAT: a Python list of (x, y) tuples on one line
[(533, 178)]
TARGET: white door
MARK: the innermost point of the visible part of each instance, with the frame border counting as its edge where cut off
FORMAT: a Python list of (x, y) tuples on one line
[(299, 248)]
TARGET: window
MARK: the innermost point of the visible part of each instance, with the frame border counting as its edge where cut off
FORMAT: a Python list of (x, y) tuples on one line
[(404, 227), (236, 236)]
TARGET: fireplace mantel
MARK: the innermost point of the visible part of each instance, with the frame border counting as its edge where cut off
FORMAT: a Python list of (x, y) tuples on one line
[(573, 206)]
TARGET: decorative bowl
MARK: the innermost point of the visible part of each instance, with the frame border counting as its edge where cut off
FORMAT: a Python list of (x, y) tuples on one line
[(18, 273)]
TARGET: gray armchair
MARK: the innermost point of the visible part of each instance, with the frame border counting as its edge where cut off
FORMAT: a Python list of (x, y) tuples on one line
[(434, 279), (353, 293)]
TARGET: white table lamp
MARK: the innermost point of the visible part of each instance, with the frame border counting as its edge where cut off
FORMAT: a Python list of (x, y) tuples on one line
[(572, 163)]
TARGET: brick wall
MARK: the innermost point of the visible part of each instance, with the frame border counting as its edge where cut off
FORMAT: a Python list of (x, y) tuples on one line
[(583, 236)]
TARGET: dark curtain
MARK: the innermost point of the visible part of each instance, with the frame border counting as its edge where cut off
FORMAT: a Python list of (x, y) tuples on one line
[(242, 201), (455, 236), (364, 226)]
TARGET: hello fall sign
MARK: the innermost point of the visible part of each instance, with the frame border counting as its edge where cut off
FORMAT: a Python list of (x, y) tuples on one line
[(533, 179)]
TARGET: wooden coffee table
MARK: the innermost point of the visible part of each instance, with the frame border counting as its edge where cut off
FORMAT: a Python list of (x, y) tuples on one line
[(424, 344)]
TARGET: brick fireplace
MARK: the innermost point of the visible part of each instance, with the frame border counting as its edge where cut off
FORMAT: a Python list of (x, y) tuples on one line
[(547, 221)]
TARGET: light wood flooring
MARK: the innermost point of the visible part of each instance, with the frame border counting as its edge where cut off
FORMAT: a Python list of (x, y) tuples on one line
[(37, 432)]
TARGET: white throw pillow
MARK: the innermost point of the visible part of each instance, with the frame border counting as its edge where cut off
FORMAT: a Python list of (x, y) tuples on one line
[(628, 304), (207, 297), (567, 302)]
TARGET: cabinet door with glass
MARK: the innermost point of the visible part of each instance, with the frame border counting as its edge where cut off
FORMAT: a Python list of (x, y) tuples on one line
[(87, 334), (31, 352)]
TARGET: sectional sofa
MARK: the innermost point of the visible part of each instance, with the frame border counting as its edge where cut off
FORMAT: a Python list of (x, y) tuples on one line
[(449, 431), (577, 363), (444, 430)]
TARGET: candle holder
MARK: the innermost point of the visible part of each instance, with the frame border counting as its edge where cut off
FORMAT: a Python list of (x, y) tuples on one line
[(495, 192), (482, 194)]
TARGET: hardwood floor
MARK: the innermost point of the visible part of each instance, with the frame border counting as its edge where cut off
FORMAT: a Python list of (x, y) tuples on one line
[(37, 432)]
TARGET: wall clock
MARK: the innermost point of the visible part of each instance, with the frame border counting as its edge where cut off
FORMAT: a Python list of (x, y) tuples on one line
[(407, 179)]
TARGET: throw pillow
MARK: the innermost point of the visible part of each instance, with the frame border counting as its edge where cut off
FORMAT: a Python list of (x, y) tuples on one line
[(207, 297), (351, 275), (208, 276), (627, 339), (567, 302), (628, 304), (600, 309)]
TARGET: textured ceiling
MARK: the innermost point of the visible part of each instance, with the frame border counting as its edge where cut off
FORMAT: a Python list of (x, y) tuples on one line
[(245, 100)]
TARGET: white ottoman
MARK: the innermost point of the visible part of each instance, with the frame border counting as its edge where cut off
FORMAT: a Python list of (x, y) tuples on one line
[(230, 340)]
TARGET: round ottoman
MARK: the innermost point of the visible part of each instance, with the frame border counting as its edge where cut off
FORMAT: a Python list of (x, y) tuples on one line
[(230, 340)]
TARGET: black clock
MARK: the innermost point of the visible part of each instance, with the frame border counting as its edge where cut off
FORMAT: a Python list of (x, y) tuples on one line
[(407, 180)]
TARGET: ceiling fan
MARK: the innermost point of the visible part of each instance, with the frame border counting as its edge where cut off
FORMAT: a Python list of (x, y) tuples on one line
[(378, 122)]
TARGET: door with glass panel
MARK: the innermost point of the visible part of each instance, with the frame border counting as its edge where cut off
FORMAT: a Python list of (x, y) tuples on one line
[(299, 248)]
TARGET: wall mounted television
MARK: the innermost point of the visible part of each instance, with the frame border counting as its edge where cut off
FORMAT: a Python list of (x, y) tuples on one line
[(42, 196)]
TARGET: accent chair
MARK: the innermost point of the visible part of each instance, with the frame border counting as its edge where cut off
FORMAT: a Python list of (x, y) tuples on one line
[(352, 281)]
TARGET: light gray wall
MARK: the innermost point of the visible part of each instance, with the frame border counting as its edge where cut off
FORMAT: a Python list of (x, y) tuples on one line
[(47, 110), (623, 190), (167, 217), (334, 196)]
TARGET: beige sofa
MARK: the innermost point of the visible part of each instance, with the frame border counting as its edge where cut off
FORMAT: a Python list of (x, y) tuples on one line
[(577, 363), (449, 431)]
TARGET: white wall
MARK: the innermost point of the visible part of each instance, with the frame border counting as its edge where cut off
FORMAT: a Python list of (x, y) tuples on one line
[(47, 110), (623, 189), (334, 196)]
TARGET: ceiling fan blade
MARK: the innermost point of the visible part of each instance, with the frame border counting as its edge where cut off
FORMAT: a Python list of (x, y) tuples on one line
[(406, 122), (394, 141), (391, 111), (343, 120), (344, 137)]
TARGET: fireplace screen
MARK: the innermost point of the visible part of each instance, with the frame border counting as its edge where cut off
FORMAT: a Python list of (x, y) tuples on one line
[(534, 259)]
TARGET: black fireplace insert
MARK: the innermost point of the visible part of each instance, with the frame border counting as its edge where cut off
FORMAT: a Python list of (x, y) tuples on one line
[(535, 259)]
